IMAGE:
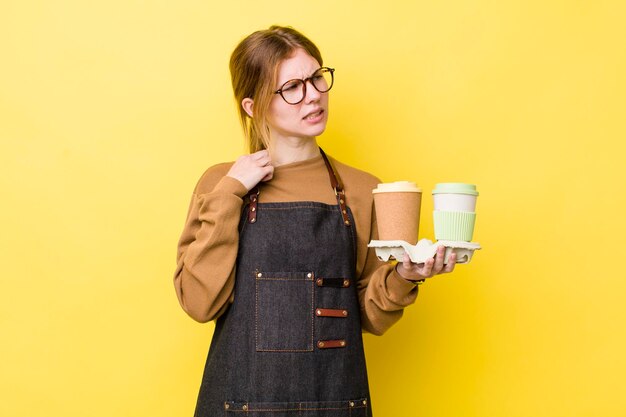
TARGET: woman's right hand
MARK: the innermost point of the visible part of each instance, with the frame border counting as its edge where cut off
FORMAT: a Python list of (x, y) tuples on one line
[(252, 169)]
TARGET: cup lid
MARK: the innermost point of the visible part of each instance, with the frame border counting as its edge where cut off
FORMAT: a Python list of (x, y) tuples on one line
[(397, 187), (455, 188)]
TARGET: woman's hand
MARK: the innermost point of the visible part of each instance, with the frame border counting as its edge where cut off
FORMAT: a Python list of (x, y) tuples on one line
[(252, 169), (433, 266)]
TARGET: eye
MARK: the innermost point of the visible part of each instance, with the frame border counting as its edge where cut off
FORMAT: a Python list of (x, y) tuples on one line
[(290, 86)]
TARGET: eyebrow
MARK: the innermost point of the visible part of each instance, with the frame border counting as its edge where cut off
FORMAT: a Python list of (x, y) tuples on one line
[(292, 79)]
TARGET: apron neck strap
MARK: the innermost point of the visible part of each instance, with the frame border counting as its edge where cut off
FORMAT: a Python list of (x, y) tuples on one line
[(335, 182)]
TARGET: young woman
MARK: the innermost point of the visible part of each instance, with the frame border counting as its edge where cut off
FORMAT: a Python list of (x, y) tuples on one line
[(275, 250)]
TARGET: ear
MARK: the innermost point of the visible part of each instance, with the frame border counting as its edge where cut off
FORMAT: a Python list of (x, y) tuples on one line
[(247, 104)]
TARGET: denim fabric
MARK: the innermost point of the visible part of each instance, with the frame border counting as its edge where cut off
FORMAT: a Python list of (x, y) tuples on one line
[(284, 301), (353, 408), (264, 358)]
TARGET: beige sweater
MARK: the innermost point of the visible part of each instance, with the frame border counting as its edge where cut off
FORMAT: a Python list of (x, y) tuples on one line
[(207, 250)]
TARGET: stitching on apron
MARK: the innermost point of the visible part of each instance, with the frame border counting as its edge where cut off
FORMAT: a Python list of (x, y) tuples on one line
[(256, 311), (284, 279), (312, 310), (331, 208), (296, 409)]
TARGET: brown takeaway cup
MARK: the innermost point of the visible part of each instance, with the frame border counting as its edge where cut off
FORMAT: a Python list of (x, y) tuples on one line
[(397, 207)]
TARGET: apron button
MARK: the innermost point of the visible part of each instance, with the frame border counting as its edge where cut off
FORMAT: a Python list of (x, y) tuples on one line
[(346, 283), (253, 220), (319, 282), (226, 406), (320, 344), (309, 275), (344, 312), (259, 275), (245, 407), (351, 403), (342, 343), (364, 402), (347, 223), (318, 312)]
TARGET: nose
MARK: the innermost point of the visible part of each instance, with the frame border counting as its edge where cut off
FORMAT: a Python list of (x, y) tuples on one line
[(311, 92)]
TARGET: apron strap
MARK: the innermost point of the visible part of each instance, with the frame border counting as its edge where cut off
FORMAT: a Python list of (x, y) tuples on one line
[(335, 182), (253, 196)]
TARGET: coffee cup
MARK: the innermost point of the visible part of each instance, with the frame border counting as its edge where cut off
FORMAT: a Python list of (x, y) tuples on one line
[(397, 206), (455, 211)]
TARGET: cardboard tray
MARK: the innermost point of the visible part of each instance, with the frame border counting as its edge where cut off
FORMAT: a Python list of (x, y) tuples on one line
[(424, 249)]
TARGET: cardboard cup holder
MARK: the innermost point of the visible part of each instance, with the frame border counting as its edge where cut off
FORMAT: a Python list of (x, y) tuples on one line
[(424, 249)]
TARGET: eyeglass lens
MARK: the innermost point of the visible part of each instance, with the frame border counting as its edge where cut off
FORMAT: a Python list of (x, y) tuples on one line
[(293, 91)]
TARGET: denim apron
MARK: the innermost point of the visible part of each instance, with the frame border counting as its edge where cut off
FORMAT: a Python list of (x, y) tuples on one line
[(290, 344)]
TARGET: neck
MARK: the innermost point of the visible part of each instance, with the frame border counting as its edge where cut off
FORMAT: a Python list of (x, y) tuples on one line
[(289, 150)]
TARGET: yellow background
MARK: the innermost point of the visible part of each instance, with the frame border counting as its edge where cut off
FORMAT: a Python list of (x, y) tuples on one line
[(111, 110)]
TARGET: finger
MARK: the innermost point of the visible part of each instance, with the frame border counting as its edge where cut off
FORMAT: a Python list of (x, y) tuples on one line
[(404, 267), (438, 261), (406, 262), (426, 270), (451, 263), (269, 173), (263, 161), (260, 154), (438, 266)]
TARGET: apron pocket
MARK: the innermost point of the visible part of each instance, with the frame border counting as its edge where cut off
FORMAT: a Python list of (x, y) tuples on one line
[(284, 311), (348, 408)]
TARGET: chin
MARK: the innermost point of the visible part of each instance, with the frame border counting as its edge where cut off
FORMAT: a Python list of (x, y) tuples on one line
[(318, 132), (317, 129)]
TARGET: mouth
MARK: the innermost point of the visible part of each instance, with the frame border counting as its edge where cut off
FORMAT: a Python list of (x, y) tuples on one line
[(314, 115)]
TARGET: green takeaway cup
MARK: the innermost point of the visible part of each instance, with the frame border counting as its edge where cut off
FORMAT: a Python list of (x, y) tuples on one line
[(455, 211)]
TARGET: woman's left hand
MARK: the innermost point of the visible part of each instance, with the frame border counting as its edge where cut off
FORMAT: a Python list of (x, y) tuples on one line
[(433, 266)]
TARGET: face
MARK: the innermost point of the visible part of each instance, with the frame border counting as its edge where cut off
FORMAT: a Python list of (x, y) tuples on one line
[(306, 119)]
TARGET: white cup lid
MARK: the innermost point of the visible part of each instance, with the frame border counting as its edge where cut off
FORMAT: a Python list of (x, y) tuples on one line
[(397, 187)]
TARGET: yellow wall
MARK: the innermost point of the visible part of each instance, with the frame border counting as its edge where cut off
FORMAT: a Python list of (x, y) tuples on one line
[(110, 111)]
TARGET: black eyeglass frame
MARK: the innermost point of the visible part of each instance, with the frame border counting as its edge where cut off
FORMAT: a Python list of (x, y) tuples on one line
[(304, 82)]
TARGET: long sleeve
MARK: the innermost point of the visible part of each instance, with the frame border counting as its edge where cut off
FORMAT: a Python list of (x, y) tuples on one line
[(383, 293), (207, 250)]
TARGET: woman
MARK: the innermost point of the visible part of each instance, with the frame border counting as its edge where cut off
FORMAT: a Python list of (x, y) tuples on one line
[(275, 249)]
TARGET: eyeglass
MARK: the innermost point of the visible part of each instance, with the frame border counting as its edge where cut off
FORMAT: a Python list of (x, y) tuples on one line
[(294, 91)]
